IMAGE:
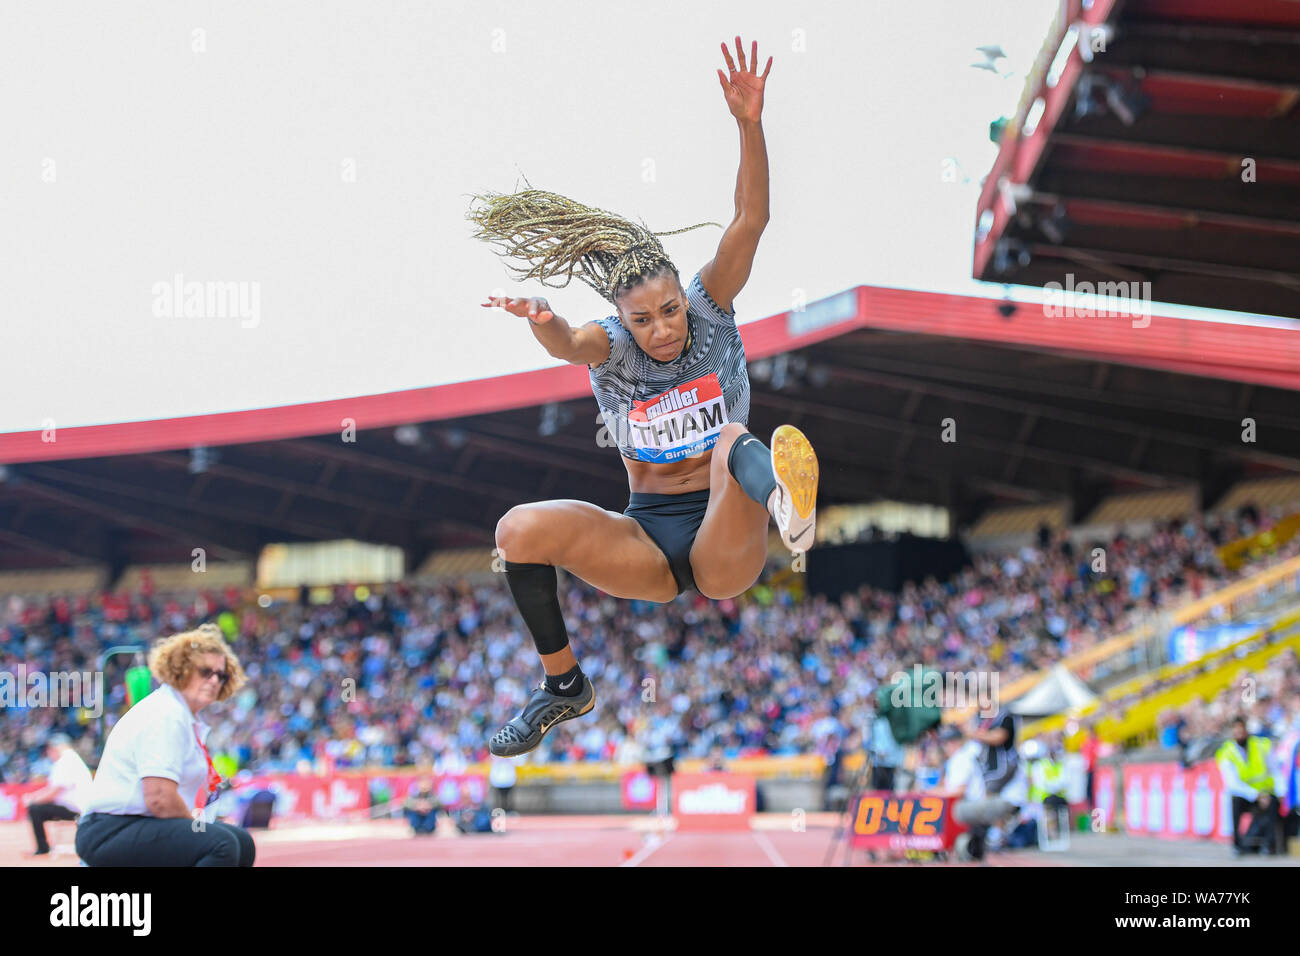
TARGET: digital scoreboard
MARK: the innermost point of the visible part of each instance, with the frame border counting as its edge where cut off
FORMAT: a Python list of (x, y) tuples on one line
[(903, 821)]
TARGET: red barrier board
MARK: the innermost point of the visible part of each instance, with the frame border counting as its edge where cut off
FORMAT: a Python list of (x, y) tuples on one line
[(713, 801), (455, 791), (1105, 793), (1164, 800), (11, 803), (903, 821), (335, 795), (323, 797), (639, 790)]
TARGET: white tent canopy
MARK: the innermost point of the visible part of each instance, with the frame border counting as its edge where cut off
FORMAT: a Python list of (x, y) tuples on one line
[(1060, 690)]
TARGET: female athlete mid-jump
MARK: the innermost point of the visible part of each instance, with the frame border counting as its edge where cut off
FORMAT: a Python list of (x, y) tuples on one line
[(668, 372)]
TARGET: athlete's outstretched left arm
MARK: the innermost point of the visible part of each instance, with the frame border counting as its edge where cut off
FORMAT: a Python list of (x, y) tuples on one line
[(728, 271)]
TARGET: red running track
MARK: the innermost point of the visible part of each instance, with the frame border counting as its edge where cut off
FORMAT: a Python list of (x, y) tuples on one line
[(527, 841)]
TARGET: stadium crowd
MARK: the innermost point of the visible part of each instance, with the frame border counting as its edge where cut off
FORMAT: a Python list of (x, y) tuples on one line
[(1271, 709), (423, 673)]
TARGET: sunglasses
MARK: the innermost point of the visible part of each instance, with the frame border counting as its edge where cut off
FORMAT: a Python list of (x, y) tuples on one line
[(207, 672)]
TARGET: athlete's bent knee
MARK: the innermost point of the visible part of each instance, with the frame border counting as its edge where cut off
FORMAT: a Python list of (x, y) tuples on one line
[(723, 590), (727, 437), (724, 594), (518, 535), (730, 434)]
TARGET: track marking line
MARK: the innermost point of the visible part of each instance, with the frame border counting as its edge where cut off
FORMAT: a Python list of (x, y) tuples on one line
[(644, 853), (766, 845)]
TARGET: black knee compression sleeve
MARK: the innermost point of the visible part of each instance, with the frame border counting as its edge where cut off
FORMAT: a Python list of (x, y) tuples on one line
[(536, 595), (750, 463)]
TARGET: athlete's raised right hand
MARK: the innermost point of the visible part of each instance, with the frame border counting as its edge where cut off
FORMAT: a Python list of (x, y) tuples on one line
[(535, 309)]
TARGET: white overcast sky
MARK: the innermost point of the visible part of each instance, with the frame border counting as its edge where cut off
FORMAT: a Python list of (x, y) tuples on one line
[(130, 156)]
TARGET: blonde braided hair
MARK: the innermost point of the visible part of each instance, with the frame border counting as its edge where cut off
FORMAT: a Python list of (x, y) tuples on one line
[(556, 236)]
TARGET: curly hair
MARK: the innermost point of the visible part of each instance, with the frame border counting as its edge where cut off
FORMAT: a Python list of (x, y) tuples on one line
[(174, 659), (556, 236)]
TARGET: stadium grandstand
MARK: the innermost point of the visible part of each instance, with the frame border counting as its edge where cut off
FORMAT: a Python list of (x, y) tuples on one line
[(1156, 143), (325, 559)]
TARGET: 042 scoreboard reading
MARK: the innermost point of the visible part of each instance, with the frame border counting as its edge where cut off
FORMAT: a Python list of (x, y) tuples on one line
[(903, 821)]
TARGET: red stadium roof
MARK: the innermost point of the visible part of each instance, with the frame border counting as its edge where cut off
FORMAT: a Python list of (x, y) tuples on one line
[(1256, 354), (1167, 150)]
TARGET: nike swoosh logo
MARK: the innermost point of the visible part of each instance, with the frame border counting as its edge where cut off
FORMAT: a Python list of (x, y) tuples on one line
[(569, 684), (747, 441), (800, 535), (546, 726)]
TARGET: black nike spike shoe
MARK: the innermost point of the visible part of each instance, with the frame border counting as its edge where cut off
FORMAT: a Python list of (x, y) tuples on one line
[(542, 712)]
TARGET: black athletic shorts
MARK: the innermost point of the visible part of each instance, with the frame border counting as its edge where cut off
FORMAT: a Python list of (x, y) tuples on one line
[(672, 522)]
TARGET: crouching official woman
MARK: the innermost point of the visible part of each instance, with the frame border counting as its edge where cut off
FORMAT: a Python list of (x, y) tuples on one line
[(146, 802)]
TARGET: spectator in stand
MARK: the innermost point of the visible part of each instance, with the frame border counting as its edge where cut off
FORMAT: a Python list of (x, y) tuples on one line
[(422, 809), (64, 795), (834, 785), (768, 672), (886, 754), (928, 760), (1173, 732), (1090, 749)]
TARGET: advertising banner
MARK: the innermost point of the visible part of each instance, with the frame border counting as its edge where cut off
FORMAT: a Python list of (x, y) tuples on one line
[(1164, 800), (713, 801), (324, 797), (639, 790)]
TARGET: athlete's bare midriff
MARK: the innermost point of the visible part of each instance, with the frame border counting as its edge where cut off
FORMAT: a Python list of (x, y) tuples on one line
[(677, 478)]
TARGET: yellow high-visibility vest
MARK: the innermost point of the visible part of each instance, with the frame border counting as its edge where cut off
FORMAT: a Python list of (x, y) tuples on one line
[(1051, 773), (1254, 769)]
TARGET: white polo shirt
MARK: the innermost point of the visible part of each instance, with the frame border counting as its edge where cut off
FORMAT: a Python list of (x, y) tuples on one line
[(961, 771), (155, 738), (72, 778)]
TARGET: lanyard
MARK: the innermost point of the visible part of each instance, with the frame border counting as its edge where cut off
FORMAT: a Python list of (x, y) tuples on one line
[(208, 793)]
